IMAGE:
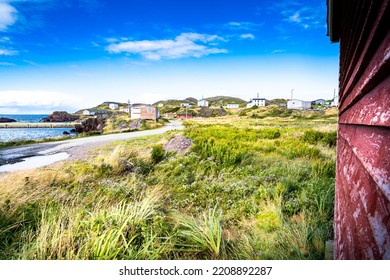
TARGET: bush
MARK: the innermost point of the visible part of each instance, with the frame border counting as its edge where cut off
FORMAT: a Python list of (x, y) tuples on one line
[(269, 133), (157, 153), (314, 137)]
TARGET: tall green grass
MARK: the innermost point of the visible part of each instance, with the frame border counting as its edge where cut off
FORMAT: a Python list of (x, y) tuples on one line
[(239, 193)]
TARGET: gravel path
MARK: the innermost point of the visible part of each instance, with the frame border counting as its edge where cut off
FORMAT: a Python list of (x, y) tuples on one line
[(76, 148)]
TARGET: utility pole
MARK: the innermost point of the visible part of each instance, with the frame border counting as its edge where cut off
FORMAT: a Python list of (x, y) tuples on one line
[(129, 106), (292, 94)]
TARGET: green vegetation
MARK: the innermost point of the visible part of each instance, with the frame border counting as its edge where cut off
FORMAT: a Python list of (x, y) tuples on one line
[(248, 189)]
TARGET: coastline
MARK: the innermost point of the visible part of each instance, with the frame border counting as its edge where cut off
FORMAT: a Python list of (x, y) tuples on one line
[(38, 125)]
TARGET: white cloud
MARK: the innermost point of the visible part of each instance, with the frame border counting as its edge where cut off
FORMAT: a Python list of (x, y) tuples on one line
[(247, 36), (19, 98), (305, 15), (295, 18), (243, 25), (5, 39), (184, 45), (8, 15), (6, 64), (8, 52)]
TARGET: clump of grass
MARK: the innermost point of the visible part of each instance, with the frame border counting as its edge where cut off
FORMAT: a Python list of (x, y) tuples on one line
[(120, 231), (202, 235)]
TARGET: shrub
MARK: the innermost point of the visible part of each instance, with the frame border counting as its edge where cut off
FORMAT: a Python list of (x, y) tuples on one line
[(157, 153), (314, 137), (269, 133)]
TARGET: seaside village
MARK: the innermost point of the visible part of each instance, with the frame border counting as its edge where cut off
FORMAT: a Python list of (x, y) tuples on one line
[(205, 107)]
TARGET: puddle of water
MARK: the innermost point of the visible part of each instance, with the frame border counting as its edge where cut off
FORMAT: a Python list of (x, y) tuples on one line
[(34, 162), (12, 156)]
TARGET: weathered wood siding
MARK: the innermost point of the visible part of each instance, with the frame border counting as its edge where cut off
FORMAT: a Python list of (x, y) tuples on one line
[(362, 206)]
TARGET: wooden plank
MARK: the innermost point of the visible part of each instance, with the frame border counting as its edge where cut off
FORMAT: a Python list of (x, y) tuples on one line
[(372, 74), (372, 146), (372, 109), (362, 225), (356, 40), (358, 63)]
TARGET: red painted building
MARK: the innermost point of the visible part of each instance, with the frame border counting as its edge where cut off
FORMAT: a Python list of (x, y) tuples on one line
[(184, 116), (362, 205)]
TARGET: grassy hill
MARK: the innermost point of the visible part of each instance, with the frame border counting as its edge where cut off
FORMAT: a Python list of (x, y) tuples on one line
[(176, 102), (103, 106), (218, 101)]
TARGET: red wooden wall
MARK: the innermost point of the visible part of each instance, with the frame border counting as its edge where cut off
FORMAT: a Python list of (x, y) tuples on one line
[(362, 205)]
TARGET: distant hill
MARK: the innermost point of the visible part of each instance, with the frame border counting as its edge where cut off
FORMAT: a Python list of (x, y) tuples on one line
[(103, 106), (277, 101), (177, 102), (215, 101), (224, 100)]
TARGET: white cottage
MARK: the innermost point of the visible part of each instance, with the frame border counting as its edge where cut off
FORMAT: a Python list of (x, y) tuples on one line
[(297, 104), (232, 106), (113, 106), (203, 103), (259, 102)]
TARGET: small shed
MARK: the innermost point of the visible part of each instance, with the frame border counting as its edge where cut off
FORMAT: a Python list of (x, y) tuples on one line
[(144, 112), (184, 116), (319, 102), (113, 106), (297, 104), (203, 103)]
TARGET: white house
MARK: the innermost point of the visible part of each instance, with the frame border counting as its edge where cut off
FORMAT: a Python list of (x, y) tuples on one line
[(232, 106), (319, 102), (298, 104), (125, 109), (88, 113), (259, 102), (185, 105), (160, 105), (113, 106), (203, 103), (95, 112), (335, 102)]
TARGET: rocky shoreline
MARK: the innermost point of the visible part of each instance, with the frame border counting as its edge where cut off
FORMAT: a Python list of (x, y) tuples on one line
[(6, 120)]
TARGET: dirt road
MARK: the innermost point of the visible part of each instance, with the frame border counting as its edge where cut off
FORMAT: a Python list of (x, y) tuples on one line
[(45, 153)]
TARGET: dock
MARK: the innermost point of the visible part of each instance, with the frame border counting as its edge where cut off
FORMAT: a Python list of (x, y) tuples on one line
[(38, 125)]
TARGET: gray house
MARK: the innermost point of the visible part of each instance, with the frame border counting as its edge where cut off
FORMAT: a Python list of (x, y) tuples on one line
[(297, 104)]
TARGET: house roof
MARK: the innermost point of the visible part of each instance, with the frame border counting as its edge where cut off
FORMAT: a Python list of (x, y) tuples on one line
[(333, 20)]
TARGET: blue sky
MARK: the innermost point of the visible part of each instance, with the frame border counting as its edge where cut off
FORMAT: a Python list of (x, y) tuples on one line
[(73, 54)]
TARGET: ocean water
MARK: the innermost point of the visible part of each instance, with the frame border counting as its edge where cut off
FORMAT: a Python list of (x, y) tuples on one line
[(25, 118), (14, 134)]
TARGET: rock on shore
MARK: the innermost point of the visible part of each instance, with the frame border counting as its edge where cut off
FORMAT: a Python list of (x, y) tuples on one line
[(5, 120), (60, 116), (89, 125)]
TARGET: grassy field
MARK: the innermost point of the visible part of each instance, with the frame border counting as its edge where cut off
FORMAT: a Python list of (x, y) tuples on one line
[(249, 188)]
